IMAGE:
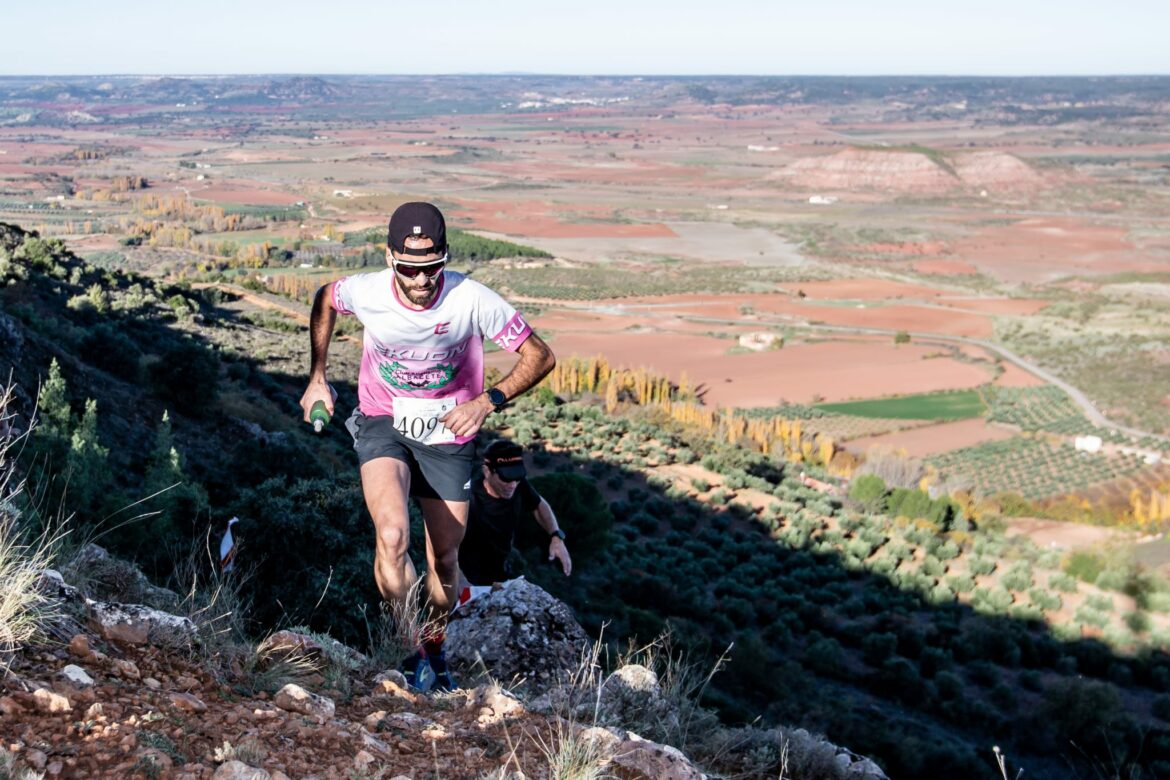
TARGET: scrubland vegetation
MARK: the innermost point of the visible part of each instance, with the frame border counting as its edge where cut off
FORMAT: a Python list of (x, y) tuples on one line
[(904, 625)]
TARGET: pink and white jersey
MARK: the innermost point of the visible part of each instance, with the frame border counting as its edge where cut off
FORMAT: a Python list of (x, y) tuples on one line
[(435, 352)]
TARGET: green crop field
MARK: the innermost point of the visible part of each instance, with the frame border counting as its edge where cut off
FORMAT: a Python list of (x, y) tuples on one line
[(959, 405)]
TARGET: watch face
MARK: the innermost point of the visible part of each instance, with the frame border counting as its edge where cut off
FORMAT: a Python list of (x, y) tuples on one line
[(497, 397)]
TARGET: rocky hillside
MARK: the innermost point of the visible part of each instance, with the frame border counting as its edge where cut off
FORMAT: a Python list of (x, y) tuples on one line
[(129, 691), (913, 170)]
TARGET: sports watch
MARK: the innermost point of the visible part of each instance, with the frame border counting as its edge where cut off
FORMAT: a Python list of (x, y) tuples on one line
[(557, 534), (497, 398)]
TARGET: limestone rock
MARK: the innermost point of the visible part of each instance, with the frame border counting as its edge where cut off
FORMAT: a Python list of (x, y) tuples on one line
[(50, 702), (607, 741), (643, 760), (187, 702), (376, 746), (52, 584), (395, 691), (493, 704), (136, 624), (283, 644), (294, 698), (160, 762), (238, 770), (392, 675), (79, 647), (76, 676), (519, 631), (125, 668), (632, 696), (111, 579)]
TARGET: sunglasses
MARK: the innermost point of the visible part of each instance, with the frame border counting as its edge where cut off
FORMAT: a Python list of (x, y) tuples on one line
[(411, 271)]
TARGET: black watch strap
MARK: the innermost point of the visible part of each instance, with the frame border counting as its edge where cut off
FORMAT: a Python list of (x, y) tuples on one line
[(557, 534), (497, 398)]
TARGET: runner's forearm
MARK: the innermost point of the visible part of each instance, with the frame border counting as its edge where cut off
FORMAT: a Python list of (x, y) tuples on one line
[(321, 323), (545, 517), (536, 360)]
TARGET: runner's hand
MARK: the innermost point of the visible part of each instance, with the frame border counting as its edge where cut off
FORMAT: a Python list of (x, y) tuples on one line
[(559, 552), (466, 419), (318, 391)]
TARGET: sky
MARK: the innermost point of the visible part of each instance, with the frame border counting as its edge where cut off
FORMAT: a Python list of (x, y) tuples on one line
[(634, 37)]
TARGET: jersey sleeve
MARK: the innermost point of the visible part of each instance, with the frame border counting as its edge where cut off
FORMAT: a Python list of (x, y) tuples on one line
[(500, 322), (529, 498), (343, 295)]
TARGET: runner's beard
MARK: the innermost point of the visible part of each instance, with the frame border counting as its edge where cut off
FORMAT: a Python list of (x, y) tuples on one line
[(417, 297)]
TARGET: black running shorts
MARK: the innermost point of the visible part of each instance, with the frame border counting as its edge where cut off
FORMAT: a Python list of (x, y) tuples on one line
[(436, 470)]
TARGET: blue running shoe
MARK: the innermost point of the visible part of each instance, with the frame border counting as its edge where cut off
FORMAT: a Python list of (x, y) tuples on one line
[(417, 671), (443, 681)]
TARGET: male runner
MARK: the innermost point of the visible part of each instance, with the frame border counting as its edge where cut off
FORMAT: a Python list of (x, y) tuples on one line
[(499, 501), (421, 401)]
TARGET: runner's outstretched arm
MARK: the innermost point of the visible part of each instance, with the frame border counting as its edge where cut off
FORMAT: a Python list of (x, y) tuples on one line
[(536, 360), (321, 323)]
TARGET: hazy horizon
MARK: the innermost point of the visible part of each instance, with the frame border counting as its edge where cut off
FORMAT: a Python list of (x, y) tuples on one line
[(998, 38)]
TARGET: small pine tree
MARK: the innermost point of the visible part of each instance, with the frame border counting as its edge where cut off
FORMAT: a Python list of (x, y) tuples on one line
[(52, 431), (88, 468)]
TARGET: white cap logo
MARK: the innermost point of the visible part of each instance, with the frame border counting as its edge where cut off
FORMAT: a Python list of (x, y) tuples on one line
[(417, 229)]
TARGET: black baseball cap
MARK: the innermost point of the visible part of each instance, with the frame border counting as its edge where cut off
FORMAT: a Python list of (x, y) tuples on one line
[(417, 219), (505, 458)]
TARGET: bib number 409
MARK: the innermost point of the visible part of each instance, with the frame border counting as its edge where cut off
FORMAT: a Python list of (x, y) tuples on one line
[(418, 419), (417, 427)]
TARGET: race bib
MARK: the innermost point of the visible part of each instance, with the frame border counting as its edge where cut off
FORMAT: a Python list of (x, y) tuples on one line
[(418, 419)]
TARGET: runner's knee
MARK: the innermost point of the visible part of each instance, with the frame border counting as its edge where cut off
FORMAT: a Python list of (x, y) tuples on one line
[(447, 563), (392, 541)]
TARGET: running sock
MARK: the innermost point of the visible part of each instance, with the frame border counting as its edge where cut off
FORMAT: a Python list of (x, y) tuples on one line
[(433, 639)]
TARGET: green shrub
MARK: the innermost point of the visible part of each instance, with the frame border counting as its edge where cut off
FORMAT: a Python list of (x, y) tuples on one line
[(981, 566), (1044, 600), (883, 564), (961, 583), (1114, 578), (185, 376), (869, 491), (1091, 617), (1085, 566), (941, 594), (877, 647), (826, 656), (1018, 577), (1100, 602), (1065, 583), (1158, 601), (932, 567), (950, 685)]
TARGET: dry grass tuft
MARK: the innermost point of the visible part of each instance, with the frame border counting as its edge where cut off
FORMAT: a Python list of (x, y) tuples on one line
[(24, 556)]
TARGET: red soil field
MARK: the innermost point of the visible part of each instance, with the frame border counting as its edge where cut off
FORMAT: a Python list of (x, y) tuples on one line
[(1042, 249), (1009, 306), (919, 248), (863, 290), (945, 268), (1014, 376), (538, 219), (801, 373), (228, 192), (934, 439)]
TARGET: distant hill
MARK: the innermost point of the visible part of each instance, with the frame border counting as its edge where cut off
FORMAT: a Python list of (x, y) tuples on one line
[(913, 170)]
